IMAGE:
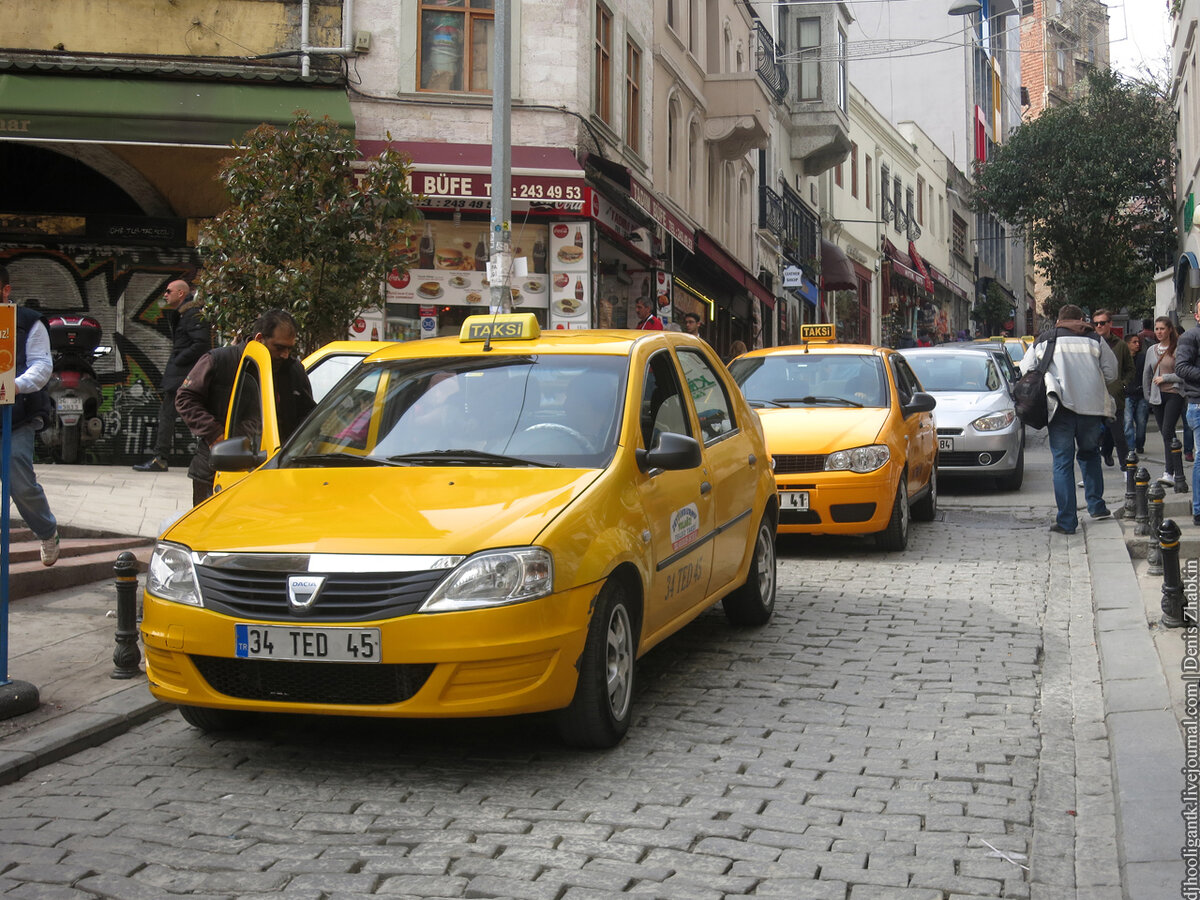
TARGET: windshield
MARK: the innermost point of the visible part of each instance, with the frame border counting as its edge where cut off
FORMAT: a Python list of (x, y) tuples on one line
[(810, 379), (493, 411), (952, 372)]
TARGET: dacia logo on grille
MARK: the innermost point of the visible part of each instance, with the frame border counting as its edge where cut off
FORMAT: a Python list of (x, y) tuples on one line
[(302, 590)]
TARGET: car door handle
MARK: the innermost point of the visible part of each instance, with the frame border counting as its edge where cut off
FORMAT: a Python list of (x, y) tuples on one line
[(705, 487), (753, 459)]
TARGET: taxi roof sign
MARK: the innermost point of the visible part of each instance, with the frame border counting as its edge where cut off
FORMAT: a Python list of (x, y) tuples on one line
[(824, 331), (507, 327)]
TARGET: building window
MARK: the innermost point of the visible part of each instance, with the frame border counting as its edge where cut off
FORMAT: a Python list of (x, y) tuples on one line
[(884, 186), (958, 235), (843, 98), (603, 64), (633, 96), (897, 209), (808, 86), (692, 24), (456, 46), (867, 180), (1060, 68), (854, 169), (671, 14), (920, 200), (837, 175)]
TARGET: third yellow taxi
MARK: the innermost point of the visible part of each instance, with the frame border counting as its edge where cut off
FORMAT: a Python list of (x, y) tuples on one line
[(492, 524), (851, 433)]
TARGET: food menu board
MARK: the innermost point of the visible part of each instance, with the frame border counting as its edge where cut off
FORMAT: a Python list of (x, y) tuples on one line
[(447, 265), (570, 266)]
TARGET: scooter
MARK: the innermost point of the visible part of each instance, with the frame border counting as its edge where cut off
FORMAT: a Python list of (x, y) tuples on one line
[(74, 388)]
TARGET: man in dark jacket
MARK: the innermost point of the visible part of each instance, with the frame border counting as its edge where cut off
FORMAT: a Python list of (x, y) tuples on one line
[(1187, 367), (203, 398), (1114, 431), (191, 338)]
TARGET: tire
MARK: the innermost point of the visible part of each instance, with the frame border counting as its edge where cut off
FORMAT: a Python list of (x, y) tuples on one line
[(925, 509), (600, 712), (70, 444), (754, 602), (1012, 481), (207, 719), (895, 536)]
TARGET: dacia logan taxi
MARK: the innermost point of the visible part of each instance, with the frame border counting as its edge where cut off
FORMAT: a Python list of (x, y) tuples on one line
[(493, 524), (851, 433)]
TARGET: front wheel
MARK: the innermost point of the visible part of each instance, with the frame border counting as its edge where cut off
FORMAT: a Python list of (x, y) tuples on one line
[(754, 602), (895, 536), (601, 710), (1012, 481)]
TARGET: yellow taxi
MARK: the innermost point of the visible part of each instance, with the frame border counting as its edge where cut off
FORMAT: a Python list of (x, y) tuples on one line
[(851, 434), (492, 524), (1014, 346)]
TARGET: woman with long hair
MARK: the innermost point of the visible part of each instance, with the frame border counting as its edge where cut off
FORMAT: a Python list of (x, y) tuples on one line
[(1161, 387)]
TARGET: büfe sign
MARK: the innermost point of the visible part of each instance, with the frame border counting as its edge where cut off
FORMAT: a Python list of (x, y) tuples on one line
[(8, 354)]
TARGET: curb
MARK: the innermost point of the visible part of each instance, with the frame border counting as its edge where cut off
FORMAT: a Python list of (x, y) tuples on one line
[(78, 730), (1145, 742)]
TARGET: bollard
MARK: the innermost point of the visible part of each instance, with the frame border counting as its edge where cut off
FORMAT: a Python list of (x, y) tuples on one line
[(1140, 511), (127, 656), (1177, 464), (1131, 464), (1172, 589), (1157, 495)]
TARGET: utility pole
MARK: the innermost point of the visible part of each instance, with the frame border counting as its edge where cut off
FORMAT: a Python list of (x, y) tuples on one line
[(500, 259)]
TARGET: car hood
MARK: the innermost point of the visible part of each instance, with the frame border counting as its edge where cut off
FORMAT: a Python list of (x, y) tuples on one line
[(820, 429), (381, 510), (962, 407)]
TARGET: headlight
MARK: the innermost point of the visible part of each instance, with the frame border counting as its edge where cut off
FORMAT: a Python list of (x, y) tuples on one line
[(495, 578), (994, 421), (858, 459), (172, 576)]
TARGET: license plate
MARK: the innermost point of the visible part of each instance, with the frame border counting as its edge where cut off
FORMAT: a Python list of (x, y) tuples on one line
[(307, 644), (794, 499), (69, 404), (946, 445)]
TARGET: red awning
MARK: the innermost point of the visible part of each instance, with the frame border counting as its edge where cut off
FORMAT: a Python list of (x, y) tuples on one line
[(733, 268), (902, 264), (919, 265), (837, 274), (459, 176)]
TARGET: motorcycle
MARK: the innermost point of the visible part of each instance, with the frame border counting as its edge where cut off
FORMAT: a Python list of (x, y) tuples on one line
[(74, 388)]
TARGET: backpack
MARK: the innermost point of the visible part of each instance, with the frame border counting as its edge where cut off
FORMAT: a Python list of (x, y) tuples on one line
[(1029, 393)]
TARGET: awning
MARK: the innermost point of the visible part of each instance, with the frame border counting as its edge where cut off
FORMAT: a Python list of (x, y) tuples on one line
[(919, 265), (902, 264), (646, 200), (945, 282), (714, 251), (459, 176), (153, 110), (1187, 273), (837, 274)]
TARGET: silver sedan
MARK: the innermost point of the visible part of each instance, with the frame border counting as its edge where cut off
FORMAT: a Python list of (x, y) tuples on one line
[(978, 431)]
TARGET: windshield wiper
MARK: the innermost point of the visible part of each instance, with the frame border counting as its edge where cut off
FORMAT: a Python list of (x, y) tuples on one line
[(757, 403), (466, 457), (836, 401), (333, 459)]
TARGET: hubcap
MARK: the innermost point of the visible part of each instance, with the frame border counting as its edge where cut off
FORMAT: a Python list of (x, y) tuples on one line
[(619, 662), (764, 560)]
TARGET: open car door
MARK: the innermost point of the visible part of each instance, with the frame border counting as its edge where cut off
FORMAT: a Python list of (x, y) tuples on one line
[(252, 410)]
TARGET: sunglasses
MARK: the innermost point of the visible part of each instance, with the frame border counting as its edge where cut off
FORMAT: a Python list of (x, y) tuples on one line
[(1101, 322)]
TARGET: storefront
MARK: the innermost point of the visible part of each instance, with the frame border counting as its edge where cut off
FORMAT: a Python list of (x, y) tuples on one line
[(905, 294)]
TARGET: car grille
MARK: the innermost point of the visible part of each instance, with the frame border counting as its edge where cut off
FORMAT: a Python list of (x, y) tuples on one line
[(964, 459), (358, 684), (799, 517), (346, 596), (799, 463), (949, 432)]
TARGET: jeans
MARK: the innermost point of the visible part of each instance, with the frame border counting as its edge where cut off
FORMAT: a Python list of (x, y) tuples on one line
[(1193, 423), (1072, 436), (1167, 414), (26, 493), (1112, 436), (1137, 414)]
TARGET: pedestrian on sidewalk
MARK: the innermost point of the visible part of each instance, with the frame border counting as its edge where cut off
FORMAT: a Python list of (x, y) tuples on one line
[(1137, 409), (191, 338), (30, 413), (1114, 432), (1078, 402), (1162, 388), (1187, 368)]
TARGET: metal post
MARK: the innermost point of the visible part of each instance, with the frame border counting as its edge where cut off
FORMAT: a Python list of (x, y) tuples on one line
[(1177, 466), (1131, 464), (500, 261), (1172, 589), (1140, 512), (127, 656), (1157, 495)]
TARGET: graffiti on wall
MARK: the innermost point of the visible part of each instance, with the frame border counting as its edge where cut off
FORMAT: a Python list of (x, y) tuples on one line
[(120, 288)]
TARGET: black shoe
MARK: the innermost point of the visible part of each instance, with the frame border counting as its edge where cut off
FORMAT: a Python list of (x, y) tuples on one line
[(1196, 520), (154, 465), (1103, 514), (1108, 460), (1058, 529)]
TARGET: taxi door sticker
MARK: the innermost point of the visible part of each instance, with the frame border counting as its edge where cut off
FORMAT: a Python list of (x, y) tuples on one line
[(685, 526)]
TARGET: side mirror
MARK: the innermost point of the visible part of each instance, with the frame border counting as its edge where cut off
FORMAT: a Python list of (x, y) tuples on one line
[(235, 454), (672, 452), (921, 402)]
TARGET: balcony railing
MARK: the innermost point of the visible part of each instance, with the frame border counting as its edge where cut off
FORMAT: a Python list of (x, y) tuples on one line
[(797, 227), (769, 70), (770, 211)]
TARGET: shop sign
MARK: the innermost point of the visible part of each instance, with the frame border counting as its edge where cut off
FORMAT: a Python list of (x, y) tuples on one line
[(793, 276), (471, 190), (654, 208), (8, 354), (663, 290)]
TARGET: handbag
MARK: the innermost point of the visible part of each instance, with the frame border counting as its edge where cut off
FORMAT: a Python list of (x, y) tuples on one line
[(1029, 393)]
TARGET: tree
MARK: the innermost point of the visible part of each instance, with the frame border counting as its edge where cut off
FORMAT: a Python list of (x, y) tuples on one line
[(305, 231), (1090, 183)]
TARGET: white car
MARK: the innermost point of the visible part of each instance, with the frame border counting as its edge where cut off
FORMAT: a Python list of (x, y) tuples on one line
[(978, 431)]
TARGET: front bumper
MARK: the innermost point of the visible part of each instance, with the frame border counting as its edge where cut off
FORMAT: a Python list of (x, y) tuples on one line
[(839, 502), (980, 453)]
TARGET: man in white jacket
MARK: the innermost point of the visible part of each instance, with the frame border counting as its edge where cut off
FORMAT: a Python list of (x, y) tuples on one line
[(1078, 402)]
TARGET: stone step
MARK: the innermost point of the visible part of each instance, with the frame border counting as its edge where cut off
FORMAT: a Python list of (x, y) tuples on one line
[(85, 557)]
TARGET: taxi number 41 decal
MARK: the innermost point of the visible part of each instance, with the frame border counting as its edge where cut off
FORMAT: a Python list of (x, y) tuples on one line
[(683, 578)]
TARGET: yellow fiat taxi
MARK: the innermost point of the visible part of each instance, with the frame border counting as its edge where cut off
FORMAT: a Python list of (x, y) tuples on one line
[(851, 433), (492, 524)]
